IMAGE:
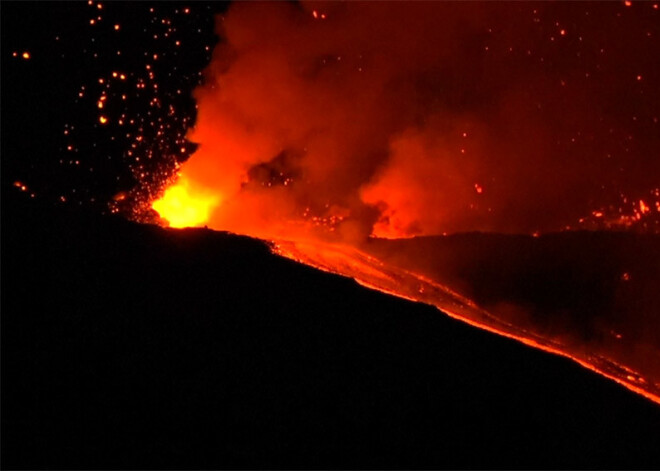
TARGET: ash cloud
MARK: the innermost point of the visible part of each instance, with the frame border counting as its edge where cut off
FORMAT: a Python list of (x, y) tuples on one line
[(400, 119)]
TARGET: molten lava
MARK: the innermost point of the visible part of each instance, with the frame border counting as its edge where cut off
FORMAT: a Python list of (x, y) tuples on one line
[(183, 205)]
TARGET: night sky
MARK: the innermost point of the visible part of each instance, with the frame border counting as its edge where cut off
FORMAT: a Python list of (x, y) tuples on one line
[(63, 60)]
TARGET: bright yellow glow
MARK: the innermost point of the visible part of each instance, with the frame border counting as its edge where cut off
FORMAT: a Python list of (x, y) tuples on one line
[(182, 207)]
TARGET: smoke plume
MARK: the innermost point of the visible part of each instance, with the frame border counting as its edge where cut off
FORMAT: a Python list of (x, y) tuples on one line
[(400, 119)]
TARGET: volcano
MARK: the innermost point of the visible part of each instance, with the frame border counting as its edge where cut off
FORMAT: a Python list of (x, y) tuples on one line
[(427, 235), (134, 346)]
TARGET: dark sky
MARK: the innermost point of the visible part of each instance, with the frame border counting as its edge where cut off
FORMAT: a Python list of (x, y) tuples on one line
[(53, 140)]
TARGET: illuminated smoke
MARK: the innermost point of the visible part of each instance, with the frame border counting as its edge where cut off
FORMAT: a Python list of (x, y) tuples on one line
[(397, 119), (334, 122)]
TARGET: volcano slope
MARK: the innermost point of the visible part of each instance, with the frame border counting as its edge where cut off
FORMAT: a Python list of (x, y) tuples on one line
[(132, 346)]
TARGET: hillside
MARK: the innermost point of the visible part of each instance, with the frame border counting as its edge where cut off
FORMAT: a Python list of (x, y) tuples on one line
[(132, 346)]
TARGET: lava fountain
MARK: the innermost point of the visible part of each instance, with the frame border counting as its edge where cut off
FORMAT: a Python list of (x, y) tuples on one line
[(448, 153)]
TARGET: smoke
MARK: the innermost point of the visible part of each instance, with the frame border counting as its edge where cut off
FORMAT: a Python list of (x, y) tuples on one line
[(344, 120), (396, 120)]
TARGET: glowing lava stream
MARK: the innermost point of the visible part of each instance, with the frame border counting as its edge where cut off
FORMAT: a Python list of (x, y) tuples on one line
[(183, 208), (374, 274)]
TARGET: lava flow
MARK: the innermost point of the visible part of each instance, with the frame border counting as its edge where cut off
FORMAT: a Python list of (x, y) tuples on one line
[(331, 128)]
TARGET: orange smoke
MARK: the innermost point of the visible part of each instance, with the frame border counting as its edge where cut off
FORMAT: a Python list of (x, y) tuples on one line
[(333, 122), (388, 114)]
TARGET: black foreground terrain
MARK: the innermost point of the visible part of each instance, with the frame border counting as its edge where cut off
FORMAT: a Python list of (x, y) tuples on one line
[(128, 346)]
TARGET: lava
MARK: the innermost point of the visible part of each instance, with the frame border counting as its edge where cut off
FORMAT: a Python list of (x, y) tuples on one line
[(326, 137), (374, 273), (184, 206)]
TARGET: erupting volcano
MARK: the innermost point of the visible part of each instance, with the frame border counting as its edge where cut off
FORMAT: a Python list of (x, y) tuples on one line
[(330, 235), (327, 128)]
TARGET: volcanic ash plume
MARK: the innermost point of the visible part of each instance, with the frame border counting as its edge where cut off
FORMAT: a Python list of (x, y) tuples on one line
[(391, 119)]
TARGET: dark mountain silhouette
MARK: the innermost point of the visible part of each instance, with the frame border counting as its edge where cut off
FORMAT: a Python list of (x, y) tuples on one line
[(132, 346)]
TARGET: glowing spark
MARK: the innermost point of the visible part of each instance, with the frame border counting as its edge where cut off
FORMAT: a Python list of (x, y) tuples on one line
[(20, 186), (26, 55)]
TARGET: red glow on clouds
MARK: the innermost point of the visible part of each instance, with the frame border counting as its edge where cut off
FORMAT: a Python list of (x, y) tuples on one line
[(398, 120), (300, 120)]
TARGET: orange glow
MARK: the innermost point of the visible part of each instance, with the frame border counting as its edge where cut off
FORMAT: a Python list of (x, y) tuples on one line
[(322, 159), (103, 119), (26, 55), (183, 206), (373, 273)]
